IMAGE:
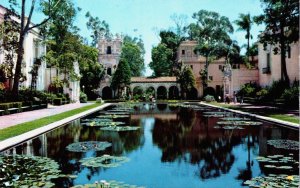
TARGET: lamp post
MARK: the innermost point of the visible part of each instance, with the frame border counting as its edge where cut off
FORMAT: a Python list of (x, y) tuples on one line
[(83, 88)]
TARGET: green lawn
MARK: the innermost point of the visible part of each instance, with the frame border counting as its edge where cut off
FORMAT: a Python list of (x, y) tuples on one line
[(28, 126), (279, 116)]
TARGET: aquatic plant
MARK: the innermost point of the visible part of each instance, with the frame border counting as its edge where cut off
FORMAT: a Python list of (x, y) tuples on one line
[(241, 123), (97, 119), (280, 162), (28, 171), (113, 116), (102, 124), (116, 113), (284, 144), (276, 181), (235, 119), (120, 128), (107, 184), (86, 146), (228, 127), (106, 161)]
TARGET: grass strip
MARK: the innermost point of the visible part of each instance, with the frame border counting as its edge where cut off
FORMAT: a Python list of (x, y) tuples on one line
[(285, 118), (28, 126)]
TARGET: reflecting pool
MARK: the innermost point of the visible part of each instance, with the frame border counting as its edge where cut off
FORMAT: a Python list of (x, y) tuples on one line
[(169, 146)]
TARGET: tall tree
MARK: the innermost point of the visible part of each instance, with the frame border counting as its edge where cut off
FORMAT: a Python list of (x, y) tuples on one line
[(64, 45), (133, 53), (244, 23), (25, 27), (186, 79), (212, 33), (99, 28), (161, 62), (281, 18), (121, 78), (91, 70)]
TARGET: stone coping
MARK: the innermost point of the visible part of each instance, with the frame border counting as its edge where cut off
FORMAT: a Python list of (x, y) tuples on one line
[(10, 142), (264, 118)]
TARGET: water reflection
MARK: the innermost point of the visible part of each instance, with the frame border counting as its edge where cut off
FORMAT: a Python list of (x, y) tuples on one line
[(178, 137)]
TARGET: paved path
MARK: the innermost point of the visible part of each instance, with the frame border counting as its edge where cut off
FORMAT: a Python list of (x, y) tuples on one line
[(17, 118)]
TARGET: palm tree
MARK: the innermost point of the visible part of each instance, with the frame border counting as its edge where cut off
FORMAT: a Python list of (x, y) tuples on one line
[(244, 23)]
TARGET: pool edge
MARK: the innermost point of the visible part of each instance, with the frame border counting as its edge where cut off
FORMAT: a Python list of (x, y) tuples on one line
[(10, 142)]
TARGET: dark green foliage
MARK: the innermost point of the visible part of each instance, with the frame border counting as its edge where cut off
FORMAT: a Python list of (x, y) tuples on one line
[(186, 79), (281, 18), (7, 106), (83, 97), (98, 28), (57, 101), (249, 90), (161, 63), (133, 53), (121, 77), (164, 55), (291, 96)]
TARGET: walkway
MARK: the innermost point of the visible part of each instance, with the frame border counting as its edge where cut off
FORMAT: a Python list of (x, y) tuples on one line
[(17, 118)]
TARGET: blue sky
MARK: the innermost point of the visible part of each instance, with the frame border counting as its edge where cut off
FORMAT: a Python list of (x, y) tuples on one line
[(146, 17)]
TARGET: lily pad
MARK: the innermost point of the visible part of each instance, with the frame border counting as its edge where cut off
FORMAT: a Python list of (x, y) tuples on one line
[(102, 124), (87, 146), (28, 171), (274, 181), (107, 184), (242, 123), (235, 119), (120, 128), (113, 116), (284, 144), (105, 161)]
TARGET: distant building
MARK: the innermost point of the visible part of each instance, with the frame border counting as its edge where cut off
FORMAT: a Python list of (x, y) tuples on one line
[(109, 55), (239, 74), (270, 64), (34, 49)]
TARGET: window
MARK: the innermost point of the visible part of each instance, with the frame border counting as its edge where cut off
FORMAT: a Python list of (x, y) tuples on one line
[(220, 67), (210, 78), (289, 52), (182, 52), (109, 71), (192, 67), (108, 51), (268, 60)]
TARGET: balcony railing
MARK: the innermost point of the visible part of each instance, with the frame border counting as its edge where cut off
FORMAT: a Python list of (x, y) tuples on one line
[(266, 70)]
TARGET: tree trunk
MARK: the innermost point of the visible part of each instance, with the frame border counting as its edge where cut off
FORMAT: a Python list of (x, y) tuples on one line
[(284, 74), (20, 52)]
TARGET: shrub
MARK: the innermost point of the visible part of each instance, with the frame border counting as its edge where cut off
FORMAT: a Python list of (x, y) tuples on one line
[(209, 98), (57, 101), (249, 90), (291, 96), (262, 94), (276, 90), (83, 97)]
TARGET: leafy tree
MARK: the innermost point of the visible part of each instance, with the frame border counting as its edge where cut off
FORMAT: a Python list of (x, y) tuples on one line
[(244, 23), (91, 71), (64, 45), (25, 28), (281, 18), (212, 33), (186, 79), (121, 78), (133, 53), (161, 62), (99, 28)]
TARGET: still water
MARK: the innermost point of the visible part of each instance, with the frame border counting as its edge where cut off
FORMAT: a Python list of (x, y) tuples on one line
[(174, 147)]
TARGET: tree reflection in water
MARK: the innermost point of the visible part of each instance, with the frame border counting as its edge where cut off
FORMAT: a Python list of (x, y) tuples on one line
[(196, 141)]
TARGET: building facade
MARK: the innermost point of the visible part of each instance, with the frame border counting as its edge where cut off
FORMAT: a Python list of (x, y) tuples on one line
[(109, 56), (34, 49), (239, 74), (270, 64)]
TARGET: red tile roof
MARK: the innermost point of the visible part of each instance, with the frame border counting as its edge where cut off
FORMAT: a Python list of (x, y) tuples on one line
[(152, 80)]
